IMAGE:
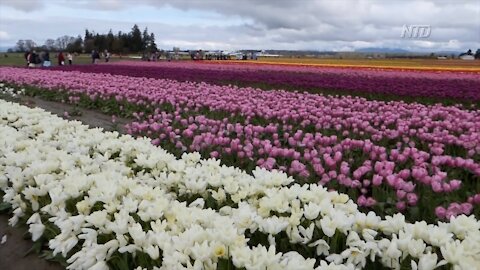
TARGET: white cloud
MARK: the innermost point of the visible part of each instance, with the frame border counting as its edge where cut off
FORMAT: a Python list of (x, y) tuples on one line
[(4, 35), (280, 24), (23, 5)]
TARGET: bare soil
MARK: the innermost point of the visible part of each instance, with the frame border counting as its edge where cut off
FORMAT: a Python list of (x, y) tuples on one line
[(13, 252)]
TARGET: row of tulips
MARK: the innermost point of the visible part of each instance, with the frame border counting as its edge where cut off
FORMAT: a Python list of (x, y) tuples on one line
[(386, 65), (103, 201), (380, 178), (274, 67), (398, 160), (460, 86)]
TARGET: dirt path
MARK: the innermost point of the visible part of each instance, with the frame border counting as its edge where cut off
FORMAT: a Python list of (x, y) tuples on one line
[(12, 252), (89, 117)]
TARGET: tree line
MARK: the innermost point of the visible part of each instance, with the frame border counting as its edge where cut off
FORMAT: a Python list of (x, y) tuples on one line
[(134, 41)]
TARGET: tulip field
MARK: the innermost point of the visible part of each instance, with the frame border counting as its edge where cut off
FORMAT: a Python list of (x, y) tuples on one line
[(372, 81), (246, 166)]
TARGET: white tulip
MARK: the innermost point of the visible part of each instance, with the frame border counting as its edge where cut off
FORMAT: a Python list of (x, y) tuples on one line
[(34, 219), (101, 265), (392, 251), (328, 226), (36, 230), (416, 248), (97, 218), (137, 234), (427, 262), (355, 256), (311, 211), (294, 261), (452, 252), (273, 225), (199, 203), (153, 252), (307, 233), (201, 251), (41, 154), (462, 225)]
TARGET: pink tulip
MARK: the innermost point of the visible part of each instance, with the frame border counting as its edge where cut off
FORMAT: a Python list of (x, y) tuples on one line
[(286, 115), (450, 213), (377, 180), (370, 202), (440, 212), (437, 187), (466, 208), (476, 199), (401, 194), (362, 200), (401, 206), (412, 199), (455, 184)]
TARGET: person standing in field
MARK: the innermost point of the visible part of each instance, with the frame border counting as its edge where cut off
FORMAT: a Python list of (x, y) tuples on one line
[(30, 59), (46, 59), (27, 56), (70, 58), (33, 59), (95, 57), (107, 56), (61, 59)]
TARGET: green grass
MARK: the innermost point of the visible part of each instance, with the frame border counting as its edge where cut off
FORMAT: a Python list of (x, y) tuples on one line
[(17, 59)]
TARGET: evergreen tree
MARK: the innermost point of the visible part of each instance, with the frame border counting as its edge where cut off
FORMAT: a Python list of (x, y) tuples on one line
[(135, 42), (88, 42), (124, 40), (109, 41), (88, 35), (145, 40), (153, 45)]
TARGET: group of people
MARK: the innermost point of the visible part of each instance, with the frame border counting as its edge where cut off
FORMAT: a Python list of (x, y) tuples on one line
[(34, 59), (96, 56), (151, 56), (61, 59)]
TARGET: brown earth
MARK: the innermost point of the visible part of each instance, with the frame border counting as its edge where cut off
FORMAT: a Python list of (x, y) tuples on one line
[(13, 252)]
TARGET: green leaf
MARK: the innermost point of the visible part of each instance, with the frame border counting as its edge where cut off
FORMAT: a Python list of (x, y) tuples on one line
[(224, 264), (36, 248), (414, 211), (4, 207)]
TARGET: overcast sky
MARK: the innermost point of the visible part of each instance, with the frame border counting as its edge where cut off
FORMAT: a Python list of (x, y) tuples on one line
[(339, 25)]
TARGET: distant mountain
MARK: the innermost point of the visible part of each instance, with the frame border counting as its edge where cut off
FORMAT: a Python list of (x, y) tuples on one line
[(382, 50), (4, 48), (448, 52)]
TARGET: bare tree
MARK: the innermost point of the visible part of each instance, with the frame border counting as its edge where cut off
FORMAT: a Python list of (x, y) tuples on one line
[(30, 44), (50, 44), (20, 46), (63, 42)]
